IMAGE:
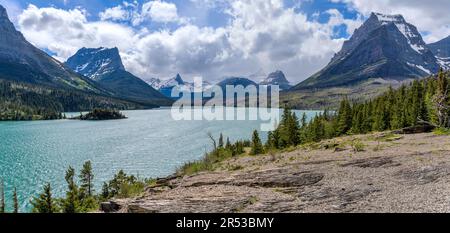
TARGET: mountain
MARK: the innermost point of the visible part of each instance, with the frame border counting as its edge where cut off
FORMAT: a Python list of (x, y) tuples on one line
[(442, 51), (277, 78), (166, 86), (385, 46), (105, 66), (35, 86), (96, 63), (156, 83), (21, 61), (236, 81)]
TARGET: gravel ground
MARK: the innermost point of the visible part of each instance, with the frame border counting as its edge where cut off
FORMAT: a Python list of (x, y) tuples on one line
[(392, 173)]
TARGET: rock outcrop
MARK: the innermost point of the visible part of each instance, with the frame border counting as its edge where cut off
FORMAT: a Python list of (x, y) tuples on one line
[(409, 173)]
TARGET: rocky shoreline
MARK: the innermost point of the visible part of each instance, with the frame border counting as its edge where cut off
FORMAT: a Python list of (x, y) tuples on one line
[(386, 173)]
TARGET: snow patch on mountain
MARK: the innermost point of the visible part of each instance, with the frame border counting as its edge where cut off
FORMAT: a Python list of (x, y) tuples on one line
[(408, 30), (444, 62), (96, 63), (420, 67), (177, 81)]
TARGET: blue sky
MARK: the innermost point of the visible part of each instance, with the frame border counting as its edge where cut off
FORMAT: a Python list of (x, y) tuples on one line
[(213, 38), (198, 13)]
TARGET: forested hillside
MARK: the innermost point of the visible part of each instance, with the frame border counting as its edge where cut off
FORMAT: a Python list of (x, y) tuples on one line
[(19, 101), (423, 101)]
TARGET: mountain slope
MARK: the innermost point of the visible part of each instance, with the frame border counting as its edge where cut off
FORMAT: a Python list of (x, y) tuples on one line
[(21, 61), (105, 67), (384, 47), (23, 101), (442, 51)]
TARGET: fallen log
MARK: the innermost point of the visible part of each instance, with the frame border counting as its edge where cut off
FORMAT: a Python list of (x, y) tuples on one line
[(420, 127)]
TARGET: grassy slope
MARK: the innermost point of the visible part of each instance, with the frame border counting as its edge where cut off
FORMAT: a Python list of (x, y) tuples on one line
[(331, 97)]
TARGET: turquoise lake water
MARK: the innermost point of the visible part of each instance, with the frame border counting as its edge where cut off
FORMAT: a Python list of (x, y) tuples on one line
[(147, 144)]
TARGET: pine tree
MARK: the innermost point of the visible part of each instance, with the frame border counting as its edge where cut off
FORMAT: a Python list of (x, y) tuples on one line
[(344, 121), (221, 141), (303, 125), (257, 147), (429, 101), (293, 130), (86, 179), (381, 116), (289, 130), (15, 201), (71, 202), (105, 191), (228, 144), (44, 203), (441, 100), (2, 197)]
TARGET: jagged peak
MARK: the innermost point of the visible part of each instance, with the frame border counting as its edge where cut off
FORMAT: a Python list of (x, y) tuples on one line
[(389, 18), (3, 13), (179, 79), (114, 50), (96, 62), (5, 23)]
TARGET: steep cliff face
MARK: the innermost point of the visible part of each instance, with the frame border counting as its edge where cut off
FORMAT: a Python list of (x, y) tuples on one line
[(96, 63), (442, 51), (105, 66)]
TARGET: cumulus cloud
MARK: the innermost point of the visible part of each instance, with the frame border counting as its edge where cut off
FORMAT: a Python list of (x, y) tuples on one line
[(161, 11), (261, 34), (155, 11), (117, 13), (431, 17), (64, 32), (13, 9)]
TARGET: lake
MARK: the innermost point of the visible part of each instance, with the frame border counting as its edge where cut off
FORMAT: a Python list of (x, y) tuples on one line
[(147, 144)]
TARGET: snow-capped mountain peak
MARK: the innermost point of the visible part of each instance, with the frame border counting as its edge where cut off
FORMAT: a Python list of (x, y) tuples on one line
[(166, 86), (96, 62), (385, 46), (173, 82), (408, 30)]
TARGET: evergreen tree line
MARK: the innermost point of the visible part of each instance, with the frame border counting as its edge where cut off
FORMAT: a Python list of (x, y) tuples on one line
[(80, 196), (422, 101), (3, 201), (426, 100), (20, 101)]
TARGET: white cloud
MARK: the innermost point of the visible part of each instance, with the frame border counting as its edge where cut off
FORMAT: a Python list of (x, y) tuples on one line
[(160, 11), (117, 13), (279, 38), (152, 11), (431, 17), (13, 9), (262, 34), (64, 32)]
